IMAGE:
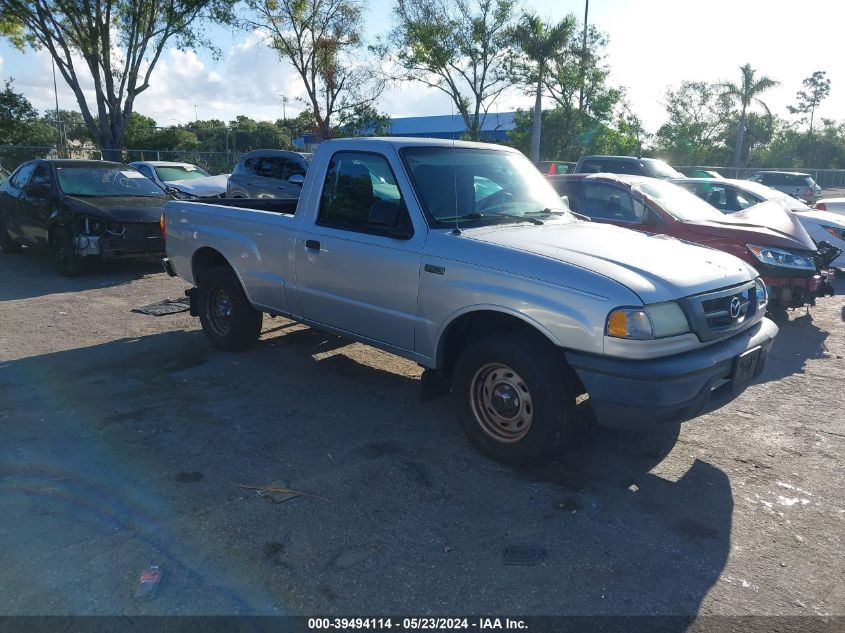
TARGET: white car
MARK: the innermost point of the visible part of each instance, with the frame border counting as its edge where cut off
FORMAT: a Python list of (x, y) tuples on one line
[(833, 205), (730, 196), (183, 180)]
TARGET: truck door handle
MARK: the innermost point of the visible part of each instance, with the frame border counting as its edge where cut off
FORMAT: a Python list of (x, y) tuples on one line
[(312, 244)]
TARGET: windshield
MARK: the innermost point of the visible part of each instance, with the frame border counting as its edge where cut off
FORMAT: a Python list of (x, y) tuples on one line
[(180, 172), (106, 182), (678, 202), (660, 169), (472, 185)]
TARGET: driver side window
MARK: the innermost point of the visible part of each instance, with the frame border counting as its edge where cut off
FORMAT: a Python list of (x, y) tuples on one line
[(361, 194)]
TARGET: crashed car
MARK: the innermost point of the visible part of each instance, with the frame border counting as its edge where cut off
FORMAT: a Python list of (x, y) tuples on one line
[(183, 180), (80, 210)]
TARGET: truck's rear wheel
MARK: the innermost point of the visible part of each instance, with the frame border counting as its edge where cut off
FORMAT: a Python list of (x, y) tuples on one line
[(7, 244), (515, 397), (228, 319)]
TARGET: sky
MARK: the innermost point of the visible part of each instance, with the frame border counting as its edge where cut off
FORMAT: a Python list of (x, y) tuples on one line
[(654, 44)]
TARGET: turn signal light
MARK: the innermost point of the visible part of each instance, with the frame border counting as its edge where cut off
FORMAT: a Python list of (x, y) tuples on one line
[(161, 225)]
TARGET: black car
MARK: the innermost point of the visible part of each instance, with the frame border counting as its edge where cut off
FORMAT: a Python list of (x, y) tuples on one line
[(81, 209)]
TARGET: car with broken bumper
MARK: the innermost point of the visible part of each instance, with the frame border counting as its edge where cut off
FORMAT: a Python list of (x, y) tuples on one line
[(80, 210), (462, 257)]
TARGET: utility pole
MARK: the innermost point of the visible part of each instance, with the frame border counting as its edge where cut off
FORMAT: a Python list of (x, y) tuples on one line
[(196, 116), (583, 59), (284, 101), (58, 120)]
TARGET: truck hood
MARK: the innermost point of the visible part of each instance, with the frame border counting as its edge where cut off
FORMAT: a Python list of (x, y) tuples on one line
[(201, 187), (121, 209), (655, 267)]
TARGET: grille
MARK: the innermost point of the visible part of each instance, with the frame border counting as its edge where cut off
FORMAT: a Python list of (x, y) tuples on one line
[(723, 312)]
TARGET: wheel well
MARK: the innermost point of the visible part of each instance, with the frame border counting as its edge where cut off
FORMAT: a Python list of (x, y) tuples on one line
[(206, 258), (475, 325)]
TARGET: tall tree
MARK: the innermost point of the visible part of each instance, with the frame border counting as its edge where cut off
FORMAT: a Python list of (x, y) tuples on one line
[(115, 43), (587, 108), (19, 121), (460, 47), (698, 115), (322, 41), (537, 43), (816, 89), (746, 92)]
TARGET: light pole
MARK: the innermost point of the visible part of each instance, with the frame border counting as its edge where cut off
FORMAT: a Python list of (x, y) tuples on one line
[(583, 59), (58, 120)]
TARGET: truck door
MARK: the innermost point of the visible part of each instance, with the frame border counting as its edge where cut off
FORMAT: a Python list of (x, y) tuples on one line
[(357, 267)]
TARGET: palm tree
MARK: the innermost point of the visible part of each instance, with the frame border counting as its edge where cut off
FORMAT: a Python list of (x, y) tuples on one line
[(538, 42), (745, 93)]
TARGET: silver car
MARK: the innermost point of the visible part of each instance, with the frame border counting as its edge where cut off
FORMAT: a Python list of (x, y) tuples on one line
[(268, 173), (793, 183)]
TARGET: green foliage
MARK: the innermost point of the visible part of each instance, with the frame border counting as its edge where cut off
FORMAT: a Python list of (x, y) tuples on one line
[(536, 43), (462, 48), (321, 39), (20, 123), (119, 41), (747, 92), (699, 118)]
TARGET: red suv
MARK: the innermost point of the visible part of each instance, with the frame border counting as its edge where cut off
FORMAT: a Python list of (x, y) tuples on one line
[(785, 259)]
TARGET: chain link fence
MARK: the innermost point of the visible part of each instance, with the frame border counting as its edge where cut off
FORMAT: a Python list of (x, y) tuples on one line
[(825, 178), (213, 162)]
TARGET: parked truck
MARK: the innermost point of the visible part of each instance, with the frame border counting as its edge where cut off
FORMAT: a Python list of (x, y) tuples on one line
[(461, 257)]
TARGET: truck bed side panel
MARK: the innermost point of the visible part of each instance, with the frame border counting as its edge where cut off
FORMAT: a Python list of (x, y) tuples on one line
[(257, 244)]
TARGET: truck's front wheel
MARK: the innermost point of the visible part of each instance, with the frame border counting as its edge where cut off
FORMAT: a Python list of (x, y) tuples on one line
[(515, 397), (228, 319)]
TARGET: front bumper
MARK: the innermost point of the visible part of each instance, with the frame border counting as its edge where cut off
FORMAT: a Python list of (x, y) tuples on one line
[(641, 394), (137, 239)]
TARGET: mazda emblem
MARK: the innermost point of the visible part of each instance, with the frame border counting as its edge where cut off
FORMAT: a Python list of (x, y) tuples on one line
[(735, 306)]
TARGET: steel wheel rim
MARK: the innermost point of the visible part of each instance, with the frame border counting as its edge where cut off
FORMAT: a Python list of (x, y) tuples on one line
[(501, 403), (219, 311)]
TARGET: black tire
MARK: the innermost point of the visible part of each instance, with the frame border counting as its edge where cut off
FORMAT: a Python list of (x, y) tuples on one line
[(7, 244), (66, 259), (228, 320), (515, 369)]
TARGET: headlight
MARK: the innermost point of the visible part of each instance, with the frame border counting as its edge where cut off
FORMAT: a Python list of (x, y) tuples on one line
[(653, 321), (782, 258), (762, 295), (837, 233)]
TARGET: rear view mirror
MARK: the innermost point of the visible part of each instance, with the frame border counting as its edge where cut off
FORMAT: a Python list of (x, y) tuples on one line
[(296, 179)]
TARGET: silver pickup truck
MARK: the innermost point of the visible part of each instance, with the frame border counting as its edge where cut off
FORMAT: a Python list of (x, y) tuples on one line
[(461, 257)]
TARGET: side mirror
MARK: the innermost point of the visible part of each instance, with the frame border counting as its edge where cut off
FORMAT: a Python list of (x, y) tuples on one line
[(296, 179), (388, 214)]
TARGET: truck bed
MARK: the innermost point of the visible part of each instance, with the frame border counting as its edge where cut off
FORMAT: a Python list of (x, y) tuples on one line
[(273, 205)]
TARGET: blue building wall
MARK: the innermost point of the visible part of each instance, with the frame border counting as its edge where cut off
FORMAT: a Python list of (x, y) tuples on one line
[(496, 127)]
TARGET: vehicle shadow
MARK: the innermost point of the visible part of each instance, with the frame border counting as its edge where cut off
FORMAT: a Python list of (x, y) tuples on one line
[(124, 454), (30, 274), (798, 341)]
